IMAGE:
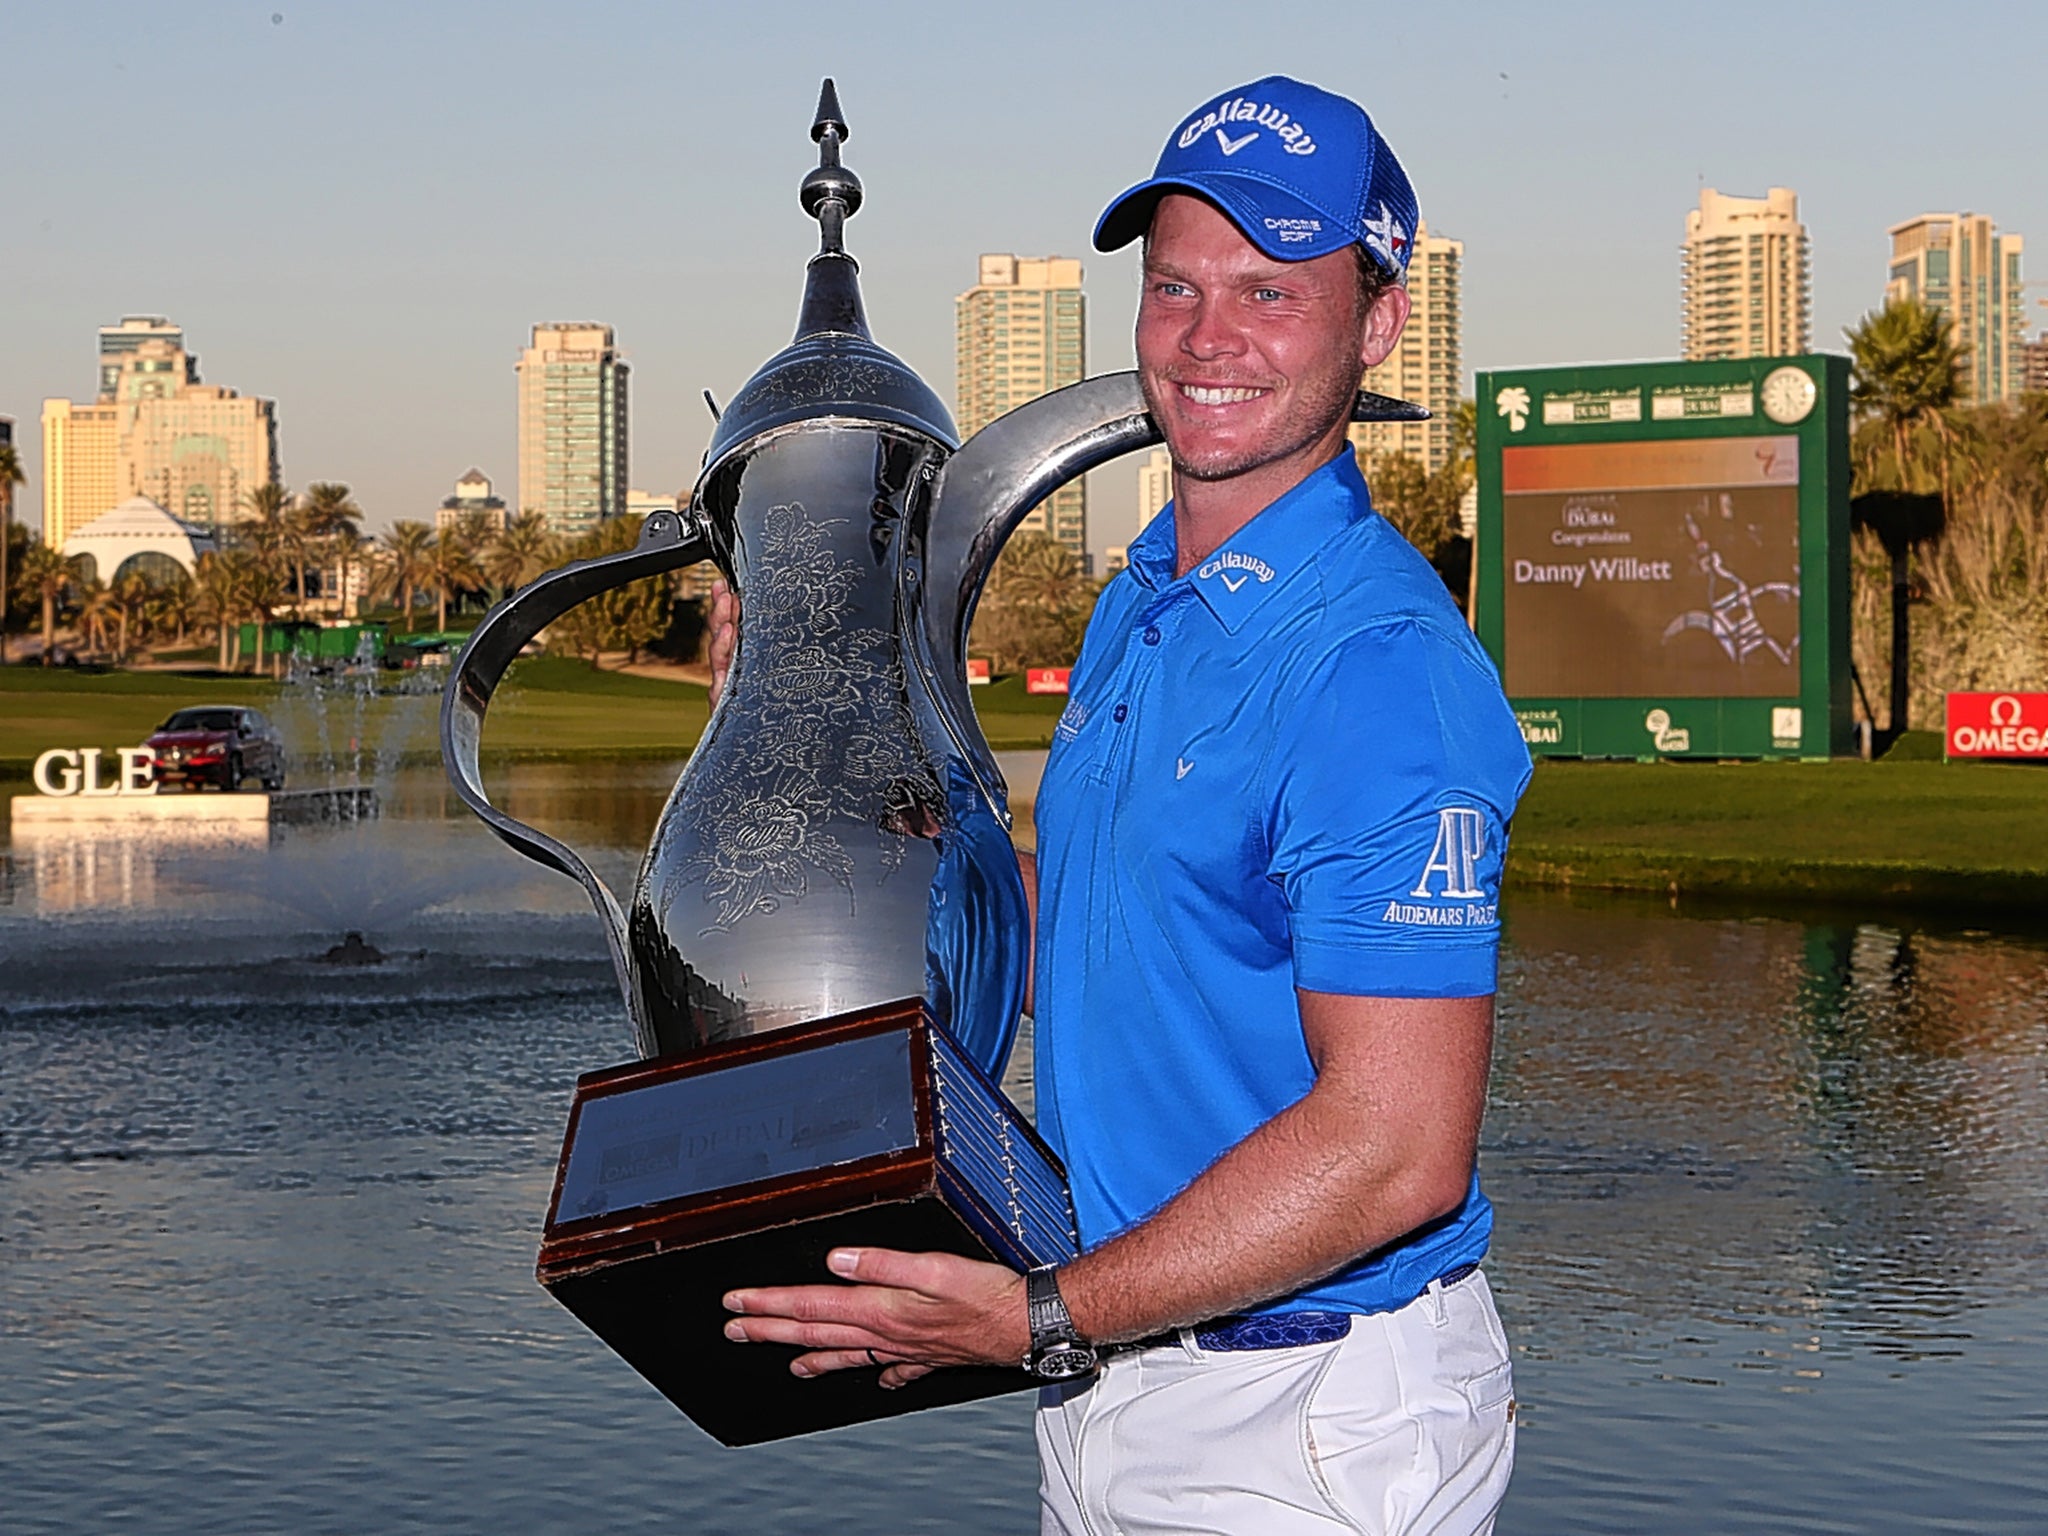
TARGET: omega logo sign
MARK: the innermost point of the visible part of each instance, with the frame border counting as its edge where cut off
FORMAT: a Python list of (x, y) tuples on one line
[(1998, 725), (62, 771)]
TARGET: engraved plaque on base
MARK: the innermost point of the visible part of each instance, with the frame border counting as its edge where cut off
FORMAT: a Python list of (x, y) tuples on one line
[(744, 1164)]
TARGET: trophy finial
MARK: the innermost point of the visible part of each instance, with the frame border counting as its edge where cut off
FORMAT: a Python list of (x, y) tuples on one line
[(829, 115), (831, 193)]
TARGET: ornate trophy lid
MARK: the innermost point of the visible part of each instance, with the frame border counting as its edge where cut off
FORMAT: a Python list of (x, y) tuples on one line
[(833, 367)]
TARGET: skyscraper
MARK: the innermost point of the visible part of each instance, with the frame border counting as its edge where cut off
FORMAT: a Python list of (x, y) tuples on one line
[(1959, 264), (154, 430), (572, 426), (1021, 332), (1745, 279), (81, 466), (1155, 485), (1427, 364)]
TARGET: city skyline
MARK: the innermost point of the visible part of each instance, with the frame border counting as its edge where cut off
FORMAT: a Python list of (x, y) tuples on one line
[(153, 429), (369, 277)]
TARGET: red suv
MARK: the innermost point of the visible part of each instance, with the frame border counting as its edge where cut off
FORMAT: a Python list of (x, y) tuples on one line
[(219, 744)]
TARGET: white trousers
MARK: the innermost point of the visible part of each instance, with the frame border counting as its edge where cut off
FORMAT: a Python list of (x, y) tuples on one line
[(1404, 1425)]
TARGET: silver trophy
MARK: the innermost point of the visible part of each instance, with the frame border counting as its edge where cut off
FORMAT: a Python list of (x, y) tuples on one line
[(832, 870)]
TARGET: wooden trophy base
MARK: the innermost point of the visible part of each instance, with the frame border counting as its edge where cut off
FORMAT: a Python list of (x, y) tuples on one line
[(744, 1164)]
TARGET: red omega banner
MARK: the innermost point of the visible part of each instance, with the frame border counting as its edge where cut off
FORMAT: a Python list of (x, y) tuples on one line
[(1046, 679), (1997, 725)]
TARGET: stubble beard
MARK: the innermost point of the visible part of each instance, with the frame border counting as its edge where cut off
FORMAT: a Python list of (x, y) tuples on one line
[(1320, 405)]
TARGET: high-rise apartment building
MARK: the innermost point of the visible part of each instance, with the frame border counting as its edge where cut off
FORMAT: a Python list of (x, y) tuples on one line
[(1959, 264), (154, 430), (1427, 364), (1021, 332), (573, 466), (2034, 364), (1745, 278), (81, 466), (1155, 485)]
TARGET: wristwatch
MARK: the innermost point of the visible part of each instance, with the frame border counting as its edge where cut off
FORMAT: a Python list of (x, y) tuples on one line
[(1058, 1352)]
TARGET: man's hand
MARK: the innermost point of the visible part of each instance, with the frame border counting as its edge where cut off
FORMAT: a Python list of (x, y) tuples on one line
[(725, 632), (914, 1311)]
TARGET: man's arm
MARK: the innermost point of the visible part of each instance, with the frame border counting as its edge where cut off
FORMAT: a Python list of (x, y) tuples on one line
[(1382, 1143)]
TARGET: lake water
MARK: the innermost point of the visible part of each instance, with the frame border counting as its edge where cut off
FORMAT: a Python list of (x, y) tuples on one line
[(1773, 1199)]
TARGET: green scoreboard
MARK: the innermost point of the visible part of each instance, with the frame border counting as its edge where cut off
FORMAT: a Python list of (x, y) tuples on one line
[(1662, 563)]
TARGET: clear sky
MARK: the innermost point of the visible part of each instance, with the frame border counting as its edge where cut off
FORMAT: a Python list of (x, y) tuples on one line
[(358, 207)]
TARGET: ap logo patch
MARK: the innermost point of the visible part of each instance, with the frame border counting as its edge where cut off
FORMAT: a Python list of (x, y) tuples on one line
[(1452, 869)]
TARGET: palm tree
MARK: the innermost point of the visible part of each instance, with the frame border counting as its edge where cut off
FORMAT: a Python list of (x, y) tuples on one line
[(1035, 604), (96, 606), (174, 607), (349, 548), (1907, 376), (235, 587), (271, 524), (408, 561), (330, 512), (1908, 373), (520, 552), (10, 477), (45, 573), (451, 570), (131, 595), (213, 600)]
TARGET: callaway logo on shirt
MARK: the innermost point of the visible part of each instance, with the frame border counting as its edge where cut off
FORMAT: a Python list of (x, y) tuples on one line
[(1230, 561)]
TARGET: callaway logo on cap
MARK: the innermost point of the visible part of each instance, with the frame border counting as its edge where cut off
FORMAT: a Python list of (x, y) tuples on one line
[(1300, 171)]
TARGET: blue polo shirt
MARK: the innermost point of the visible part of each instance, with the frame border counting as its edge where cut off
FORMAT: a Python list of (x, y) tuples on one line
[(1291, 768)]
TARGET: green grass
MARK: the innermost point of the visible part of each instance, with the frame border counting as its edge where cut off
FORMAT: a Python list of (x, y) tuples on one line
[(1910, 830), (43, 707), (548, 709), (1013, 720), (1908, 833)]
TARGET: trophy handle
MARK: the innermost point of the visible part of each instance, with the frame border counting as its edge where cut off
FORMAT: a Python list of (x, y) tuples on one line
[(1019, 459), (666, 543)]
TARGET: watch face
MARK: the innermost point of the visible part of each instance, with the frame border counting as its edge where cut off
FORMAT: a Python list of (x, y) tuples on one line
[(1788, 394), (1064, 1361)]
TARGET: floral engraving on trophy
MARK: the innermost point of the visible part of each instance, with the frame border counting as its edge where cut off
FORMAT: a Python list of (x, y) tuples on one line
[(770, 840), (831, 741), (837, 379)]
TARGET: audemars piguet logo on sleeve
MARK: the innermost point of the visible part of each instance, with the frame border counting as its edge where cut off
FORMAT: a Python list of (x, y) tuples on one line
[(1294, 138), (1072, 718), (1451, 874), (1235, 569)]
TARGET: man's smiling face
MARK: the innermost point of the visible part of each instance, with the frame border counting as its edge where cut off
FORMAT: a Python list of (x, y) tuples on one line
[(1250, 365)]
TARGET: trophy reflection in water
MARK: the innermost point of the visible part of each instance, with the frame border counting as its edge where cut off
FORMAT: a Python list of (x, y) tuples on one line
[(825, 952)]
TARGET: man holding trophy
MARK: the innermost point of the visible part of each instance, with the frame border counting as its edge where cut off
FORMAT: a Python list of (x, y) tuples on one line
[(1270, 838)]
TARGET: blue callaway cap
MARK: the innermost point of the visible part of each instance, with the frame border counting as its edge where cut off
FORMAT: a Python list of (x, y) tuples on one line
[(1302, 172)]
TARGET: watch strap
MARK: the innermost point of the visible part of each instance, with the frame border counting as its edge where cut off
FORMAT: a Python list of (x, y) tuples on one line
[(1046, 1310)]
